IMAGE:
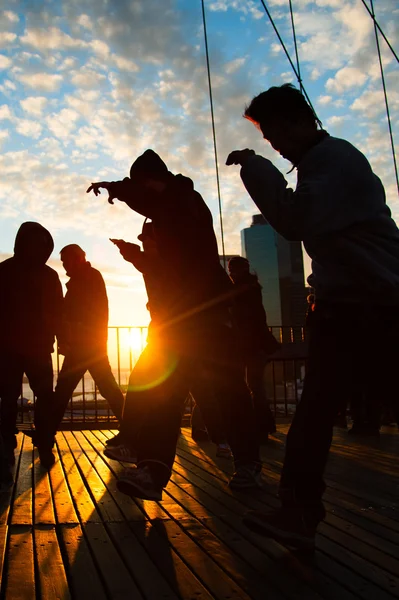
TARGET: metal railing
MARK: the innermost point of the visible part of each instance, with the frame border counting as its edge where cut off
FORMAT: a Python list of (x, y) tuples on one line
[(88, 409)]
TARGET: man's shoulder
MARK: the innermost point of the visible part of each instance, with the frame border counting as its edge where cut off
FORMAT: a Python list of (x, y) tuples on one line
[(50, 272)]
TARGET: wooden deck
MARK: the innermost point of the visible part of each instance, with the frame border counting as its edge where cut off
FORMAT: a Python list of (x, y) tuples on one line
[(71, 534)]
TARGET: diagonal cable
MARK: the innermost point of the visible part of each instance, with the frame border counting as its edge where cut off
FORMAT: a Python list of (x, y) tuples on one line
[(213, 131), (385, 95)]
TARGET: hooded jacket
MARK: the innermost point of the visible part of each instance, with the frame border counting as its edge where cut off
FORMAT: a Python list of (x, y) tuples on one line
[(199, 289), (30, 294), (338, 210)]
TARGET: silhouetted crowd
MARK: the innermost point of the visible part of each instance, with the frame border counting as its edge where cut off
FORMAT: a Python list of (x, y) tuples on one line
[(208, 337)]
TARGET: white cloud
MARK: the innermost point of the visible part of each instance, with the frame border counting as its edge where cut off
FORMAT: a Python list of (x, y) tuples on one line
[(51, 38), (234, 65), (11, 16), (125, 64), (5, 112), (5, 62), (372, 103), (28, 128), (335, 120), (85, 21), (7, 37), (34, 105), (63, 123), (324, 100), (4, 135), (100, 48), (41, 81), (87, 78), (346, 79)]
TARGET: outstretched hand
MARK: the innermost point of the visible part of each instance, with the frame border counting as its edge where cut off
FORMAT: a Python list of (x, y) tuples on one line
[(239, 157), (95, 187)]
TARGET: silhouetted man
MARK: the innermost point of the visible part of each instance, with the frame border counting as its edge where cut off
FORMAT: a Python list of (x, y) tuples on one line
[(256, 342), (85, 336), (338, 210), (197, 328), (30, 317)]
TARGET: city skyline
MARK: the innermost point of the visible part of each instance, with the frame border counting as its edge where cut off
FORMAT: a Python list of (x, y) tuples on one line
[(86, 87)]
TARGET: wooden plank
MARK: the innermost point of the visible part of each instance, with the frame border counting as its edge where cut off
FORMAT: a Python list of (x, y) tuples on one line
[(83, 503), (117, 579), (284, 572), (106, 506), (20, 581), (93, 448), (51, 570), (63, 504), (83, 577), (244, 575), (3, 544), (6, 495), (180, 578), (201, 564), (150, 581), (22, 505), (345, 576), (151, 510), (42, 499)]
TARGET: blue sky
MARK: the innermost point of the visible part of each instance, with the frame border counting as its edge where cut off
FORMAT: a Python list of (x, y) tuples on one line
[(86, 86)]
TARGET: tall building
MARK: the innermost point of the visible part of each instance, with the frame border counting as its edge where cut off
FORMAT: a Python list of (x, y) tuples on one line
[(278, 264)]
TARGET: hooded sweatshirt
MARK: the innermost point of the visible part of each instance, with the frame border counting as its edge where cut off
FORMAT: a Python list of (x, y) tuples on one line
[(199, 289), (30, 294), (338, 210)]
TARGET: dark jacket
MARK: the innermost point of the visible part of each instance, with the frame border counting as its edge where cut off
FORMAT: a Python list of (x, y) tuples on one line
[(30, 294), (86, 311), (199, 289), (250, 317)]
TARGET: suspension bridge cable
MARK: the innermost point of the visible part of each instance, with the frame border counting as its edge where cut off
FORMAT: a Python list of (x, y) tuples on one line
[(287, 54), (385, 95), (296, 47), (376, 25), (213, 131)]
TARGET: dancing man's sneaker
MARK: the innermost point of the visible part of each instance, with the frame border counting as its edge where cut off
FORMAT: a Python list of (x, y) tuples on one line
[(224, 451), (285, 525), (138, 483), (247, 477), (114, 441), (121, 453)]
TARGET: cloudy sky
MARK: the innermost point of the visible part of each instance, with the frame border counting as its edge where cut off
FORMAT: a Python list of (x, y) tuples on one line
[(88, 85)]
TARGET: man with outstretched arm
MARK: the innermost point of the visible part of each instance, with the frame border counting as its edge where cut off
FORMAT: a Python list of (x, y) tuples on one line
[(197, 329), (338, 211)]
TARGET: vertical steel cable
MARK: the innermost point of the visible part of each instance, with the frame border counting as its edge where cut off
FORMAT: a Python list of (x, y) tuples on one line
[(298, 76), (372, 15), (385, 95), (296, 47), (213, 131)]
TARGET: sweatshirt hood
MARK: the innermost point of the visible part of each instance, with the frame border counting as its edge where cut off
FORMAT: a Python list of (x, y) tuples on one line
[(33, 244)]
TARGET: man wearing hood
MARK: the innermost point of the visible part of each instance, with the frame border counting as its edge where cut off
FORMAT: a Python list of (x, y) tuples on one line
[(30, 317), (197, 330), (85, 336)]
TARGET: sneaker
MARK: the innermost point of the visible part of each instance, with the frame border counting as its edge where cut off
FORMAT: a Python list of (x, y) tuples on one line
[(47, 458), (223, 451), (246, 477), (284, 525), (121, 453), (138, 483), (114, 441)]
